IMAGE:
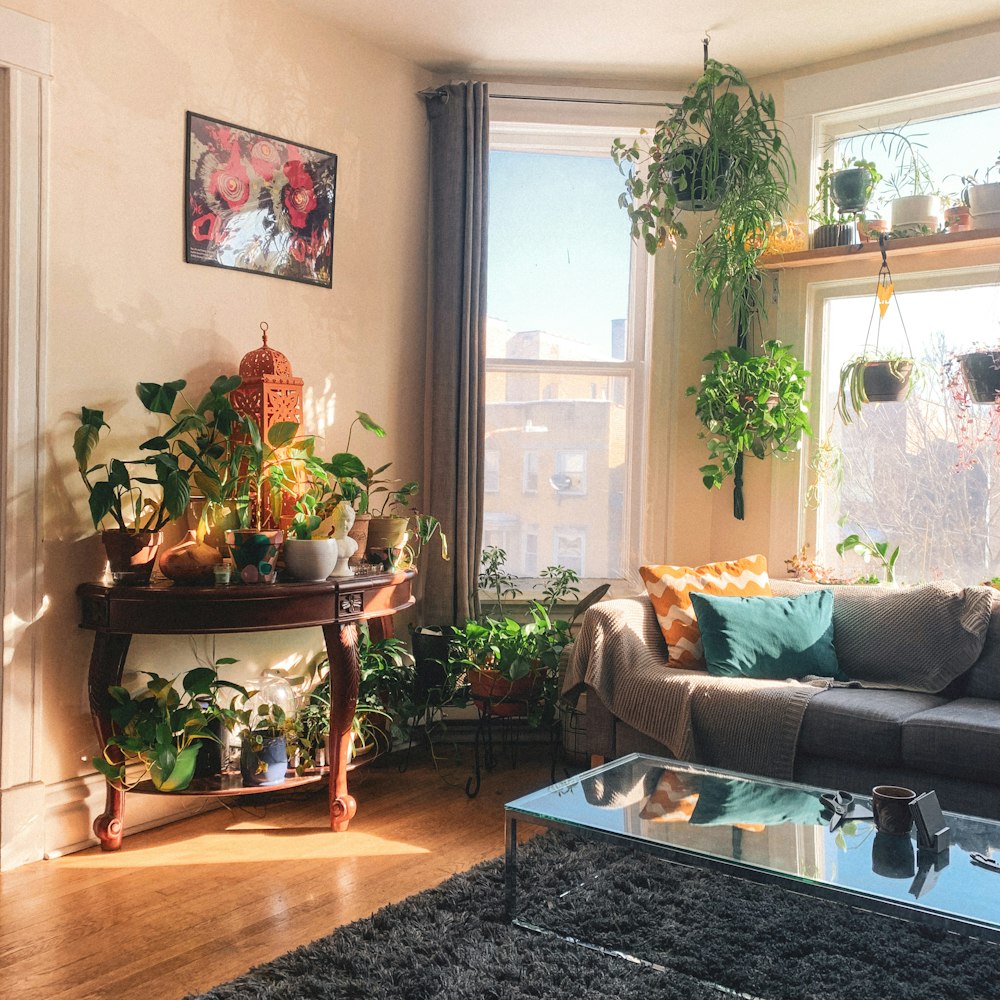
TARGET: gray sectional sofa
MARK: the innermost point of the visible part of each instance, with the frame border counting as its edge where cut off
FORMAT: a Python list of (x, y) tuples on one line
[(926, 715)]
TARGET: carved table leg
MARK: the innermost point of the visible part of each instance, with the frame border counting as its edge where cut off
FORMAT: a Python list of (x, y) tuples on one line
[(106, 664), (342, 648)]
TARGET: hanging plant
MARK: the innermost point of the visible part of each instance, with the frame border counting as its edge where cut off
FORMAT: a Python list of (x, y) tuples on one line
[(968, 380), (875, 376), (723, 149), (750, 403)]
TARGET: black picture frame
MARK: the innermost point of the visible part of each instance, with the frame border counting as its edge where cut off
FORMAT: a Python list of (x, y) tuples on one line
[(258, 203)]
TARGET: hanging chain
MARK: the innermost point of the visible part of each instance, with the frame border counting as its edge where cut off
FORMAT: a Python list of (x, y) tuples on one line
[(885, 293)]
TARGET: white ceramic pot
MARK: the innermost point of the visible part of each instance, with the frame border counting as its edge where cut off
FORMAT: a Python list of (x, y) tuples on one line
[(310, 559), (984, 200), (915, 211)]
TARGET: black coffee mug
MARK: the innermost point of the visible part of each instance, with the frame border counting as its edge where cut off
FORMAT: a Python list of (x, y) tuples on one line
[(891, 808)]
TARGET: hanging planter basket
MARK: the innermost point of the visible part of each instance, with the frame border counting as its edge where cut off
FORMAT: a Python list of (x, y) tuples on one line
[(700, 183), (981, 370), (887, 381)]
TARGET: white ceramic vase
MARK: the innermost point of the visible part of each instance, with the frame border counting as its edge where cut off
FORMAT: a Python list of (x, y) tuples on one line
[(984, 204), (310, 559)]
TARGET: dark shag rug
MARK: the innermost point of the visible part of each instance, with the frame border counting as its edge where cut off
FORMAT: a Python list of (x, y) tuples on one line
[(452, 943)]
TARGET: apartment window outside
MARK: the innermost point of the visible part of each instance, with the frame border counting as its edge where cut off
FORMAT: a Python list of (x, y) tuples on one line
[(529, 481), (570, 478), (529, 560), (491, 475), (566, 374), (569, 545)]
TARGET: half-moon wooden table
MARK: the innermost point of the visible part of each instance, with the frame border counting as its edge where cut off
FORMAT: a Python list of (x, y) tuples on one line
[(115, 614)]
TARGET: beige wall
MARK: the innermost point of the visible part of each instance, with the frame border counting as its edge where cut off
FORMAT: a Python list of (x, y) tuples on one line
[(124, 306)]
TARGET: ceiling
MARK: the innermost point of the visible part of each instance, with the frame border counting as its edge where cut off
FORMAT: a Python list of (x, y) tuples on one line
[(630, 41)]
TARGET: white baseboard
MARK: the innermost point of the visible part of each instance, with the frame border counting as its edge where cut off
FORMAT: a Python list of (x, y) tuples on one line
[(22, 824), (71, 807)]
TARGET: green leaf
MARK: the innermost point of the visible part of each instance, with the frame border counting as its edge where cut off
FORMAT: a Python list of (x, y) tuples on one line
[(159, 398), (199, 681), (369, 424), (225, 384), (176, 494), (282, 433), (102, 500), (158, 443)]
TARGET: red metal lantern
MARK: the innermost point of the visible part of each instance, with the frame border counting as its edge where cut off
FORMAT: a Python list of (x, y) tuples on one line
[(270, 394)]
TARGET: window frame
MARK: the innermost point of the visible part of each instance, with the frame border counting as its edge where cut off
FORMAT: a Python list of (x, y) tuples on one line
[(595, 140)]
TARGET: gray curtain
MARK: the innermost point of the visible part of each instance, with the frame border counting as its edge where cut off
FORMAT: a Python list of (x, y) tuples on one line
[(456, 345)]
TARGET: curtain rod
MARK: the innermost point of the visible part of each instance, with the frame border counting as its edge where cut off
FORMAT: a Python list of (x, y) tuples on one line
[(560, 100)]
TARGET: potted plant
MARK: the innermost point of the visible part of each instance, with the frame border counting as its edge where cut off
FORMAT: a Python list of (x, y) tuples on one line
[(914, 201), (870, 550), (385, 694), (162, 729), (263, 750), (143, 494), (832, 229), (873, 377), (851, 186), (513, 667), (309, 554), (354, 479), (973, 379), (723, 146), (750, 403), (255, 475), (983, 198)]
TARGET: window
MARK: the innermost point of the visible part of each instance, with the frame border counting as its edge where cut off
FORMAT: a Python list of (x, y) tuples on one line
[(903, 479), (529, 480), (566, 374), (570, 477), (529, 559), (568, 548), (492, 471)]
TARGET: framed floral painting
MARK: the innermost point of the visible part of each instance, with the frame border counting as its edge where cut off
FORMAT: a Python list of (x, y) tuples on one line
[(258, 203)]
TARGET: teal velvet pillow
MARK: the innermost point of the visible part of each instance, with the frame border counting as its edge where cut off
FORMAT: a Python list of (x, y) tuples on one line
[(768, 637)]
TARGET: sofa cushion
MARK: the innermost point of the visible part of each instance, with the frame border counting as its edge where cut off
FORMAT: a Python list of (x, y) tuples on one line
[(960, 738), (914, 638), (768, 637), (983, 680), (670, 588), (860, 724)]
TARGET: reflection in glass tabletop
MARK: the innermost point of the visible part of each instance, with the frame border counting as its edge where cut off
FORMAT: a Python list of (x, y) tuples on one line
[(770, 831)]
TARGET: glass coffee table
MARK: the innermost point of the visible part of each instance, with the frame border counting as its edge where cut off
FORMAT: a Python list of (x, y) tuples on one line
[(768, 831)]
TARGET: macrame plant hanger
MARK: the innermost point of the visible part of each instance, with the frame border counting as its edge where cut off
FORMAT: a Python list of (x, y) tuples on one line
[(884, 290)]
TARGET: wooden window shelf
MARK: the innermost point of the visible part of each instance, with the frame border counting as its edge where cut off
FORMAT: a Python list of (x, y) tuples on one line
[(973, 239)]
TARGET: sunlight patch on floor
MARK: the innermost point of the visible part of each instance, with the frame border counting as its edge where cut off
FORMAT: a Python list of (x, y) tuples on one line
[(246, 842)]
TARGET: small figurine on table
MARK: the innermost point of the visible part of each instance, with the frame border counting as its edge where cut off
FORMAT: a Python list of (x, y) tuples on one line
[(343, 521)]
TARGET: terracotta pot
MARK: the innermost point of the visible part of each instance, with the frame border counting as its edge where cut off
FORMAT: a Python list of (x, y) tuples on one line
[(504, 697), (870, 229), (359, 532), (958, 219), (190, 562), (131, 554), (882, 385)]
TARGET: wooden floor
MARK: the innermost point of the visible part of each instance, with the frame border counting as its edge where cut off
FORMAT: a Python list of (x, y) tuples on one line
[(187, 906)]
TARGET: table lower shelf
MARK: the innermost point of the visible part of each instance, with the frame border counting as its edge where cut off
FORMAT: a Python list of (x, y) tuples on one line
[(231, 783)]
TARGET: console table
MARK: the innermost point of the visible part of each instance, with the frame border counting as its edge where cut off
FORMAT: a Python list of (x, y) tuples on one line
[(115, 614)]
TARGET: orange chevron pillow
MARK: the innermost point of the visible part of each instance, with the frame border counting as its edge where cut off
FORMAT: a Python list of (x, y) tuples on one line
[(669, 589)]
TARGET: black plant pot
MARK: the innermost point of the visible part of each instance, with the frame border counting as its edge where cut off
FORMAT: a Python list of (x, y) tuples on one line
[(431, 649), (209, 763), (699, 187), (839, 234), (982, 375), (850, 189), (881, 383)]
